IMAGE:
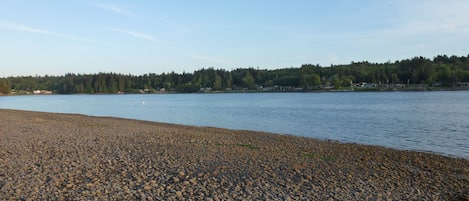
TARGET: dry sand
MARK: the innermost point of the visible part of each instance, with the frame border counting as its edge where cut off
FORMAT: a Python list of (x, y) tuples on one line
[(73, 157)]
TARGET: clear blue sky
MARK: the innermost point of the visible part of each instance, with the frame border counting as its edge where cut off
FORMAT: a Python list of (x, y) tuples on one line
[(54, 37)]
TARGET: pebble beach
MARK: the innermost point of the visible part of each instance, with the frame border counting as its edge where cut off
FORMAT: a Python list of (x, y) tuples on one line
[(48, 156)]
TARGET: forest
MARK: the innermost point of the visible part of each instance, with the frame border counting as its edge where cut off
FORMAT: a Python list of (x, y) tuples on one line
[(440, 72)]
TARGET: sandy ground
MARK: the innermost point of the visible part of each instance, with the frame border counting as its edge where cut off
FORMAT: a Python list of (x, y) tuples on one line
[(73, 157)]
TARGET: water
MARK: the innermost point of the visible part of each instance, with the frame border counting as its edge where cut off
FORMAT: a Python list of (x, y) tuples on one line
[(426, 121)]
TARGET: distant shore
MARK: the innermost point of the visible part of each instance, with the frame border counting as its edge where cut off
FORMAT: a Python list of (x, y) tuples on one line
[(409, 89), (74, 157)]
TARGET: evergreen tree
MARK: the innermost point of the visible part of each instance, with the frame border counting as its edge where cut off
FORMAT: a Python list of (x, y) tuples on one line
[(442, 70), (4, 86)]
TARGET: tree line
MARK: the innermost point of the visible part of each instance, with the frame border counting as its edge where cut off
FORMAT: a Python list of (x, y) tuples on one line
[(441, 71)]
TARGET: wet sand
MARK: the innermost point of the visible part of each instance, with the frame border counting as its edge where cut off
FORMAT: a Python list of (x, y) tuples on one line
[(74, 157)]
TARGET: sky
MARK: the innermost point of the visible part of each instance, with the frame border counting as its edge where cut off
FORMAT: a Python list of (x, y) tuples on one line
[(54, 37)]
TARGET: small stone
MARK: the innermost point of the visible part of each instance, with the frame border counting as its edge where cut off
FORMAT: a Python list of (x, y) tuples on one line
[(69, 185), (193, 181), (182, 174), (98, 192), (143, 196), (179, 194)]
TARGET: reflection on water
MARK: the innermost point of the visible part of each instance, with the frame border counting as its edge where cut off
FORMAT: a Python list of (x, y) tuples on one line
[(429, 121)]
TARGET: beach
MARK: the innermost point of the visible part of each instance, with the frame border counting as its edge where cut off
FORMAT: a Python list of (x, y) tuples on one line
[(52, 156)]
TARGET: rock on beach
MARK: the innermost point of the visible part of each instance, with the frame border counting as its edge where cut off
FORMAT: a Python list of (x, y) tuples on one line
[(46, 156)]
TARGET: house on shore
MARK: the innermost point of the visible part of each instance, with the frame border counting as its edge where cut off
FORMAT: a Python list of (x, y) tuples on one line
[(42, 92)]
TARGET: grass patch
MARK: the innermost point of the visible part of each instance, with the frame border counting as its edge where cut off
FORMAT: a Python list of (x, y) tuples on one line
[(329, 158), (249, 146), (314, 156), (309, 155)]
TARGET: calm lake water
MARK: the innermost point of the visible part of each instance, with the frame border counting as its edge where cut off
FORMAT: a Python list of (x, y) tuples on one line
[(427, 121)]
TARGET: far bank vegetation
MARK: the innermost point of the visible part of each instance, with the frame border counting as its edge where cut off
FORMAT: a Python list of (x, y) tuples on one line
[(441, 72)]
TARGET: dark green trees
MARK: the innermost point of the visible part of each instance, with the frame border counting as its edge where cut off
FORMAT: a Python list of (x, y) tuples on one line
[(4, 86), (441, 71)]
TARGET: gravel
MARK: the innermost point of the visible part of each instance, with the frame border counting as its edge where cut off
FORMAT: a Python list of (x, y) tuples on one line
[(45, 156)]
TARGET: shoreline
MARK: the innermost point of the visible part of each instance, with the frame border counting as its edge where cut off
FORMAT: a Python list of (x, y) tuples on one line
[(70, 156), (240, 130), (362, 90), (274, 133)]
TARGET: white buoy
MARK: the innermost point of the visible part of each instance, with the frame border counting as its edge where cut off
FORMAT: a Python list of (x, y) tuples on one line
[(143, 102)]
